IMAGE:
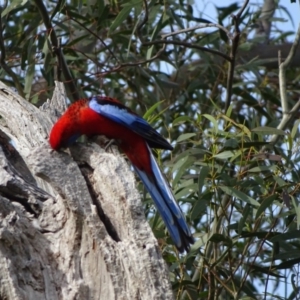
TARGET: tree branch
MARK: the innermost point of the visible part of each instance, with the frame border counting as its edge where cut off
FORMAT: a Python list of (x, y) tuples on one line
[(68, 249), (69, 81), (287, 115), (282, 69)]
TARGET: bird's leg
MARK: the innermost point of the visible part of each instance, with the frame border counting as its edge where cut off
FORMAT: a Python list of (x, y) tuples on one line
[(103, 141), (111, 142)]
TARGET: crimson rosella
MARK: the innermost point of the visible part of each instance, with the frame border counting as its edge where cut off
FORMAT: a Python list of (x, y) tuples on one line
[(107, 116)]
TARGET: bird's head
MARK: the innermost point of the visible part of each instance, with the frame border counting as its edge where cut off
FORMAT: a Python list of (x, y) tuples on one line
[(61, 137), (67, 129)]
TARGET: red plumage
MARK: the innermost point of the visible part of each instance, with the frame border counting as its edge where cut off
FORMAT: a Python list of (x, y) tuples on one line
[(79, 119), (106, 116)]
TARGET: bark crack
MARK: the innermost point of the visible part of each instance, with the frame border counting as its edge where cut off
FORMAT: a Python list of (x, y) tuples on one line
[(87, 172)]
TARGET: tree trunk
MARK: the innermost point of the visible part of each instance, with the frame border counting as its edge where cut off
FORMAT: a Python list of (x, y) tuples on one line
[(71, 224)]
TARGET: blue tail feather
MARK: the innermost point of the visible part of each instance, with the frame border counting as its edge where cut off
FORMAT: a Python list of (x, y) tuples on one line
[(167, 206)]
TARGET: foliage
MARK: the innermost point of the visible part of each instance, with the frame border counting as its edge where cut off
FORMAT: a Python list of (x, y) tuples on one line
[(238, 189)]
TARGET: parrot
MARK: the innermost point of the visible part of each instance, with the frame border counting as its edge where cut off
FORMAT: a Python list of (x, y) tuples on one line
[(102, 115)]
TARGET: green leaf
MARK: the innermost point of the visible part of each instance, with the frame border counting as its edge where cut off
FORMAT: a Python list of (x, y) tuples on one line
[(252, 144), (288, 254), (180, 120), (265, 270), (265, 204), (201, 241), (243, 219), (156, 30), (185, 136), (262, 169), (236, 155), (290, 235), (238, 194), (28, 79), (196, 152), (183, 169), (268, 130), (204, 171), (217, 238), (279, 181), (224, 154), (150, 111), (48, 63), (31, 50), (121, 17), (133, 3), (287, 264), (225, 11), (295, 128), (179, 163), (231, 143), (176, 18), (187, 191), (198, 209), (12, 5), (60, 4), (229, 110), (213, 120)]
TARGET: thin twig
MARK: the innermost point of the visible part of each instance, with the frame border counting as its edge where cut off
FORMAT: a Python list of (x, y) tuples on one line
[(174, 42), (235, 42), (96, 36), (140, 36), (134, 64), (256, 255), (69, 80), (238, 15), (188, 45), (59, 67), (144, 21), (164, 42)]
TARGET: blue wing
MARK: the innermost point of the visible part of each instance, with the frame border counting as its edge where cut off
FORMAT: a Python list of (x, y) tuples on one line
[(167, 206), (119, 113)]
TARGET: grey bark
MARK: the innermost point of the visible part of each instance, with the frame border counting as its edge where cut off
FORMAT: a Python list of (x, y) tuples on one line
[(264, 22), (71, 223)]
